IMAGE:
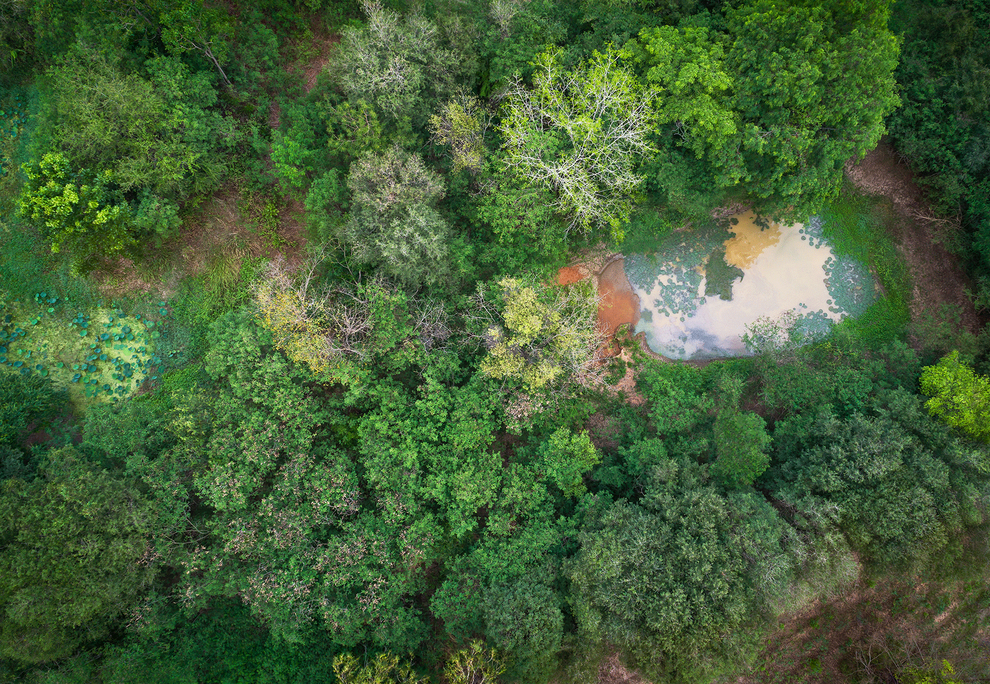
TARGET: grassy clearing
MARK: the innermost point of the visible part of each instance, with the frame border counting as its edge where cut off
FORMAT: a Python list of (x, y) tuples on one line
[(859, 227)]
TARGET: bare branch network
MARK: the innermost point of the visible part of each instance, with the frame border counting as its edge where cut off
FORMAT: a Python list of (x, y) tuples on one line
[(579, 133)]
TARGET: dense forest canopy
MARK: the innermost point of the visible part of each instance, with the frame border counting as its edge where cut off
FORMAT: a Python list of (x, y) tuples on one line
[(290, 391)]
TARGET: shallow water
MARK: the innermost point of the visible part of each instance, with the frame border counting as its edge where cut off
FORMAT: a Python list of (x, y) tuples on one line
[(784, 273)]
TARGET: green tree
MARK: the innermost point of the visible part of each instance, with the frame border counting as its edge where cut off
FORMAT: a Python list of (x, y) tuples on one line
[(566, 458), (524, 619), (80, 210), (191, 25), (580, 134), (813, 83), (27, 401), (741, 440), (891, 478), (774, 100), (669, 578), (105, 119), (687, 67), (73, 557), (15, 32), (394, 222), (959, 396)]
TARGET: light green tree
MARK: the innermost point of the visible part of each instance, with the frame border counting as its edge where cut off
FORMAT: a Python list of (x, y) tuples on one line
[(566, 457), (959, 396), (461, 124), (694, 87), (80, 210), (538, 335), (580, 134), (401, 64)]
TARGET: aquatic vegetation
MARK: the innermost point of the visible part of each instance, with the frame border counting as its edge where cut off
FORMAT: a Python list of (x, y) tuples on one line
[(103, 354)]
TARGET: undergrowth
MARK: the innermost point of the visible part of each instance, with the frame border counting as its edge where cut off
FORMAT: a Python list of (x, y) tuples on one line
[(857, 227)]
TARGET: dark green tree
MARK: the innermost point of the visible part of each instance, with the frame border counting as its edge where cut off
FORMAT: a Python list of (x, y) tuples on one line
[(74, 556), (891, 478), (670, 578)]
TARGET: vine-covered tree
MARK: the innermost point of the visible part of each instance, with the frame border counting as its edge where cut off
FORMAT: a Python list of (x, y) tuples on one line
[(394, 222)]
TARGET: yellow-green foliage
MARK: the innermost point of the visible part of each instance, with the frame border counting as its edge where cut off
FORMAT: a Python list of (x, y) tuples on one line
[(75, 208), (296, 331), (544, 334), (101, 356), (935, 674), (385, 669), (959, 396), (474, 665), (461, 124)]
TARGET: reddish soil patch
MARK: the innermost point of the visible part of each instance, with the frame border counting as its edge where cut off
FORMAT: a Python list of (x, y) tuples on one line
[(570, 275), (938, 279), (619, 304)]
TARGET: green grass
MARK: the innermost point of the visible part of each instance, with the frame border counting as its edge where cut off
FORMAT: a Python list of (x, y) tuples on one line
[(857, 227)]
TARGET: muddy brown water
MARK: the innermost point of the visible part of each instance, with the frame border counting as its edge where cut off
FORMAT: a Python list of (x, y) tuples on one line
[(619, 304)]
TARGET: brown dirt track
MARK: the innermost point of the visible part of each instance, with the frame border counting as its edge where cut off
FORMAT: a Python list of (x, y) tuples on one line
[(938, 278)]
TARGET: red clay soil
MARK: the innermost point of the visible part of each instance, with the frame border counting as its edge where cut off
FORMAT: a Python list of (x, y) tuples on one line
[(619, 304), (938, 278), (569, 275)]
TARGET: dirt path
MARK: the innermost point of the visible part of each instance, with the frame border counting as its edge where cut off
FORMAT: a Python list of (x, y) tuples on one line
[(938, 278)]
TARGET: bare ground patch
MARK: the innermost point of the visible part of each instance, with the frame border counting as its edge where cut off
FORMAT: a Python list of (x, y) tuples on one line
[(315, 54), (227, 227), (938, 279), (870, 632)]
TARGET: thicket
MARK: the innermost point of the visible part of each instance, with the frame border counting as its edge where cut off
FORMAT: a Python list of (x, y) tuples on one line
[(943, 125), (392, 457)]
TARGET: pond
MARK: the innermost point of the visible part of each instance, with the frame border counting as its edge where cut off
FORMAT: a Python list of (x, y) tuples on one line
[(703, 290)]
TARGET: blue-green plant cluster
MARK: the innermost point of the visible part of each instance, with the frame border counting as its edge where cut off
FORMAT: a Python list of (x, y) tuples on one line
[(104, 354), (679, 260)]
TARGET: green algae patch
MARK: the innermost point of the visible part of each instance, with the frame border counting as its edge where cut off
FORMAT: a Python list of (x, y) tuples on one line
[(102, 354)]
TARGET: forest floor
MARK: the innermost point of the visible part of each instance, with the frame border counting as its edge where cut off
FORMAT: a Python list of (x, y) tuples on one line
[(226, 229), (874, 629), (938, 279)]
